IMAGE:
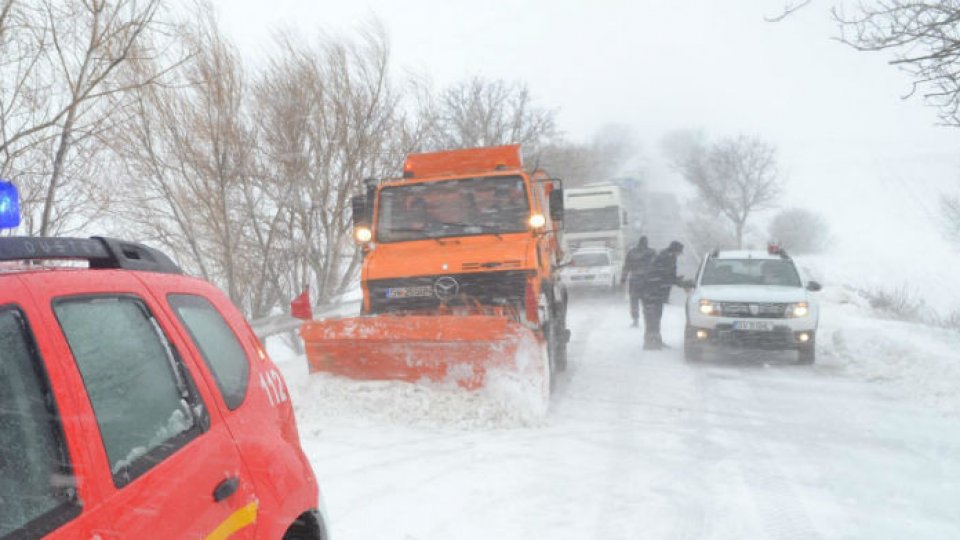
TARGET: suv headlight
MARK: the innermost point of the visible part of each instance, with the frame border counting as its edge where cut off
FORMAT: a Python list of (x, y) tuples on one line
[(709, 308), (800, 309)]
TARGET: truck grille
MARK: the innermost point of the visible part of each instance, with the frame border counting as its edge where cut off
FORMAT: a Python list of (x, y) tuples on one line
[(754, 310), (428, 292)]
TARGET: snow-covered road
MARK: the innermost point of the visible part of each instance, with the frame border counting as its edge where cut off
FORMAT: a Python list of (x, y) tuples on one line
[(639, 445)]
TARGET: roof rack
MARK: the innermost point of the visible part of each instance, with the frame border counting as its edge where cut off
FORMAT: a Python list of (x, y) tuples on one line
[(102, 253)]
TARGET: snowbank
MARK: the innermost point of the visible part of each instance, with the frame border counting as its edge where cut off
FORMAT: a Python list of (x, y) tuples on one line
[(913, 360)]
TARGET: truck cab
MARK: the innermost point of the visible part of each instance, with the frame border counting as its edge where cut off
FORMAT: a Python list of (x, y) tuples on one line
[(461, 227)]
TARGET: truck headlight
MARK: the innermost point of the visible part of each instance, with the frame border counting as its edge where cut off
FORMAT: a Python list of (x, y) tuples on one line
[(800, 309), (363, 234), (709, 308)]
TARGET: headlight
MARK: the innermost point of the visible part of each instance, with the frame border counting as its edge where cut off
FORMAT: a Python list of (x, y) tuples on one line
[(363, 234), (709, 308), (537, 221), (800, 309)]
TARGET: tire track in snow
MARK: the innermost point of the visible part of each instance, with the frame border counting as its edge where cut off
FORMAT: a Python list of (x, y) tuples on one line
[(780, 510)]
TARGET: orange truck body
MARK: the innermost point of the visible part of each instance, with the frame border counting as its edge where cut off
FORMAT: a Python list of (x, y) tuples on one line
[(467, 299)]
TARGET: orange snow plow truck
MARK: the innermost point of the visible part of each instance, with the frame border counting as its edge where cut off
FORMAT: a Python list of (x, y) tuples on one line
[(459, 276)]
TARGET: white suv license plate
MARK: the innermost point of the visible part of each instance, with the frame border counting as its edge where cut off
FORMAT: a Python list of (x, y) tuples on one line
[(761, 326)]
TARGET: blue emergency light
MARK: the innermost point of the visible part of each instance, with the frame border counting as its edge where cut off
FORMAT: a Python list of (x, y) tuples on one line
[(9, 205)]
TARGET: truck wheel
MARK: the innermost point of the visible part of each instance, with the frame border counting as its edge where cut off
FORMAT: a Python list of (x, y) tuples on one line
[(692, 351), (807, 353), (562, 335)]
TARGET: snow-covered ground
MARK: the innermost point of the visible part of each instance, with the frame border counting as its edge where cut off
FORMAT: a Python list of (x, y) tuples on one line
[(642, 445)]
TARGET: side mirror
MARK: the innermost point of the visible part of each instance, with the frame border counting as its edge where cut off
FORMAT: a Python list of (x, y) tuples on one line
[(813, 286), (556, 204), (361, 211)]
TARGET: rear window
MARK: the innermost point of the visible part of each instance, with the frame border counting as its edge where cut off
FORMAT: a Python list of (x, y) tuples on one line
[(217, 343), (591, 259), (36, 484), (146, 407)]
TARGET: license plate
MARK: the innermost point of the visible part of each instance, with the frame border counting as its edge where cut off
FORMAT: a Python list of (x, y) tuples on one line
[(752, 325), (409, 292)]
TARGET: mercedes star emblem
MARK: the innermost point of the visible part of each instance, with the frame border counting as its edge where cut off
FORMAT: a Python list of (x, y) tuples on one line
[(446, 288)]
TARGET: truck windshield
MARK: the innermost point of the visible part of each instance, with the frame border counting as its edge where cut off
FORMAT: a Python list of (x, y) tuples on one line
[(591, 219), (780, 273), (467, 207)]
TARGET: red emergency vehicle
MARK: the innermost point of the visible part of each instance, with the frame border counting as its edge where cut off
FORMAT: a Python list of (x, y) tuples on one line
[(136, 402)]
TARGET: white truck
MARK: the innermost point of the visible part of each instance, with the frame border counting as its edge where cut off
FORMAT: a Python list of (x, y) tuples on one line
[(594, 217)]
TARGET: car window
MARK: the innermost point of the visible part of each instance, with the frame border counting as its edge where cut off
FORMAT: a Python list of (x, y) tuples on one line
[(591, 259), (36, 485), (140, 394), (217, 343), (780, 273)]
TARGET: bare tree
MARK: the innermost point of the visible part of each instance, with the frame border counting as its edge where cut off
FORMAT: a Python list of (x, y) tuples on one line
[(925, 36), (480, 112), (800, 230), (735, 177), (192, 159), (330, 118), (64, 72), (607, 154), (950, 217)]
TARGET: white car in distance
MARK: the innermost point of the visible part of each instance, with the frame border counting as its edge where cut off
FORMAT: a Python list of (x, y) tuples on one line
[(751, 300), (592, 268)]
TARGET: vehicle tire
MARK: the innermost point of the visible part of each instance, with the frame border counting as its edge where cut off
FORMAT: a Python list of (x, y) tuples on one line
[(807, 353), (562, 335), (692, 351), (309, 526), (552, 354)]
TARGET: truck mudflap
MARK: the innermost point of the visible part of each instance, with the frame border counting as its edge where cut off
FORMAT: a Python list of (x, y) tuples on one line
[(466, 349)]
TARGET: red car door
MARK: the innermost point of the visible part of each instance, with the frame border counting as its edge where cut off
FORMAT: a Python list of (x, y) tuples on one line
[(252, 395), (162, 462)]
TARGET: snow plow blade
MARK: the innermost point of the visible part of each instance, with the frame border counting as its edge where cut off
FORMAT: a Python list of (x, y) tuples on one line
[(463, 349)]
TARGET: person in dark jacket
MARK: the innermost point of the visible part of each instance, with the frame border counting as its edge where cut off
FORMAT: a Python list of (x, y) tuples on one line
[(635, 265), (655, 292)]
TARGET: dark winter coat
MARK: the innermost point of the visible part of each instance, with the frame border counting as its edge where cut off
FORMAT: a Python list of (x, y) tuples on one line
[(661, 276), (636, 264)]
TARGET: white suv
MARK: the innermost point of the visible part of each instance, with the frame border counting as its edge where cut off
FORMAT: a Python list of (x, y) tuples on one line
[(751, 299)]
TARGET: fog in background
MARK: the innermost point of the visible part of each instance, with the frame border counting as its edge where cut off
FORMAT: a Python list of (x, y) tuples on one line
[(851, 147)]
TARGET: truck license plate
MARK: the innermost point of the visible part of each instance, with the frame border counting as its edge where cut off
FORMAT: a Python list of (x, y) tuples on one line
[(752, 325), (409, 292)]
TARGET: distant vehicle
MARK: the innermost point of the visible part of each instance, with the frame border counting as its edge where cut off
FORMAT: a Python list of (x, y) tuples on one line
[(751, 299), (592, 268), (136, 402), (594, 217)]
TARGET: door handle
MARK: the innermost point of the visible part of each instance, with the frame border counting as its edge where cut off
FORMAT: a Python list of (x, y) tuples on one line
[(226, 488)]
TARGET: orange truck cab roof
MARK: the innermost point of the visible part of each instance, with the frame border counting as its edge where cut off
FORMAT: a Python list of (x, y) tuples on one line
[(463, 162)]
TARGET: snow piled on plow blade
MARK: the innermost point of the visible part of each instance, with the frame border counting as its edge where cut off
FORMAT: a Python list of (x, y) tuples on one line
[(470, 371)]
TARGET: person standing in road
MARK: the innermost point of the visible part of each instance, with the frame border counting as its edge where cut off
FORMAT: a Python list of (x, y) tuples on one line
[(635, 265), (655, 292)]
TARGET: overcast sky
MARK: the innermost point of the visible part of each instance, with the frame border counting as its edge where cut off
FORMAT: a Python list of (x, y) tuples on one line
[(850, 146)]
